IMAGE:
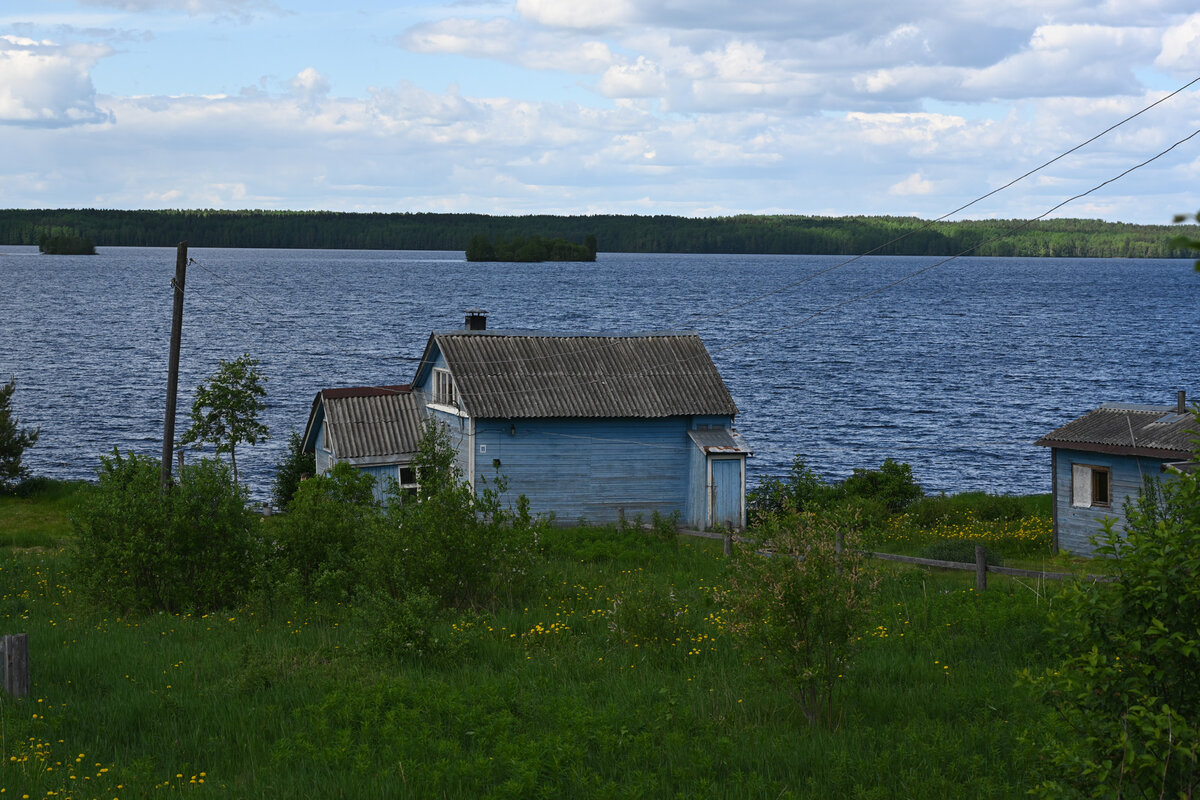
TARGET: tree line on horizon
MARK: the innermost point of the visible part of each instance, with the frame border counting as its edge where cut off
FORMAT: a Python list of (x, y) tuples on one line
[(758, 234)]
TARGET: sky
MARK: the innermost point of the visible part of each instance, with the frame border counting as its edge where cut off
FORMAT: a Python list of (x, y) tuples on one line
[(684, 107)]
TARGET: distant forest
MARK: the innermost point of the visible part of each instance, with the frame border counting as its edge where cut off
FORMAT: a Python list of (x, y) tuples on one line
[(1077, 238)]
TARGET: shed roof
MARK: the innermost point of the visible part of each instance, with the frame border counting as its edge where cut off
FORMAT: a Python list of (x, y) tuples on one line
[(511, 375), (1126, 429), (368, 424)]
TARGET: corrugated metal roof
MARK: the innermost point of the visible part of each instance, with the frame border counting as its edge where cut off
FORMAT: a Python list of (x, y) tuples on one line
[(510, 375), (720, 440), (1155, 431), (373, 424)]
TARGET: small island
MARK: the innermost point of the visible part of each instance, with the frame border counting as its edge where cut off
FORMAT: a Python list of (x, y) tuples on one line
[(534, 248), (65, 245)]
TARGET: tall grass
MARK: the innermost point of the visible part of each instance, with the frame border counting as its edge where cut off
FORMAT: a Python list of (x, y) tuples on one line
[(618, 680)]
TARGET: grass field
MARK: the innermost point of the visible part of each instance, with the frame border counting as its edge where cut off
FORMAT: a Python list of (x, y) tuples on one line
[(619, 679)]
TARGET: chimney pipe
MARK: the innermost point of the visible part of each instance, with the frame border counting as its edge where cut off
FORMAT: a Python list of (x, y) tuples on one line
[(476, 320), (1181, 407)]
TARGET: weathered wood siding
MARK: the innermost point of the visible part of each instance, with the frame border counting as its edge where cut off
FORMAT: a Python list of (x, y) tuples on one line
[(593, 470), (695, 512), (1076, 526), (385, 475), (324, 457)]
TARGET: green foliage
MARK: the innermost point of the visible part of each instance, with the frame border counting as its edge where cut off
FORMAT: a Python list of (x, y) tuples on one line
[(13, 440), (1131, 652), (294, 467), (410, 627), (191, 547), (331, 517), (1185, 242), (533, 248), (63, 245), (801, 490), (799, 607), (892, 485), (225, 410), (462, 549), (336, 543)]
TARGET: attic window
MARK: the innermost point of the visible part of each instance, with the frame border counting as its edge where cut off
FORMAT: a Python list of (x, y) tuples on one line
[(444, 391), (1091, 487)]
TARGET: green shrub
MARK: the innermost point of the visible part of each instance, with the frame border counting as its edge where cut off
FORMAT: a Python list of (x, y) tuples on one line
[(464, 549), (801, 490), (1131, 652), (409, 627), (291, 470), (892, 484), (190, 547), (799, 607), (317, 541)]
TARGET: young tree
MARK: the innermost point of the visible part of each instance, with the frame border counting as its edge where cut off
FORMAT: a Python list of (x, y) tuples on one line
[(13, 440), (225, 411)]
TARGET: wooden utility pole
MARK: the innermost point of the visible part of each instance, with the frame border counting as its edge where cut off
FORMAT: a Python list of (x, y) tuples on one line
[(173, 368)]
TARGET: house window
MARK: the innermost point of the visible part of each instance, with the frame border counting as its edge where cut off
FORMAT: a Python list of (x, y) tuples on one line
[(1091, 487), (444, 391), (408, 482)]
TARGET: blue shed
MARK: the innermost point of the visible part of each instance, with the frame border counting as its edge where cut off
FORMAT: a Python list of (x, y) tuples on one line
[(374, 428), (594, 427), (1100, 460)]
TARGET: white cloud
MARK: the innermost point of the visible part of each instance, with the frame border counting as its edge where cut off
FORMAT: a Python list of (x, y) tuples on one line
[(1181, 47), (584, 14), (913, 184), (45, 84), (641, 79), (504, 40)]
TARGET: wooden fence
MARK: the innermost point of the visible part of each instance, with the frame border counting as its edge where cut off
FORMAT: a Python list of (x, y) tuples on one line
[(980, 567)]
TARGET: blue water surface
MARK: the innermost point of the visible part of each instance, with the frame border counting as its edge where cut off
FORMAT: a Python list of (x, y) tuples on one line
[(955, 368)]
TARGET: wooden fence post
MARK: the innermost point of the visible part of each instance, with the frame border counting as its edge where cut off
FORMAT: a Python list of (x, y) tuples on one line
[(728, 542), (16, 664), (980, 568), (839, 542)]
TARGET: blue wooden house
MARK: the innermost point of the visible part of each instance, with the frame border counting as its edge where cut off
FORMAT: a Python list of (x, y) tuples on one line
[(374, 428), (1100, 460), (587, 426), (590, 426)]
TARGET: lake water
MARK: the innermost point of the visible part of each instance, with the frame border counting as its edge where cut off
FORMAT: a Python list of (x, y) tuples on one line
[(956, 370)]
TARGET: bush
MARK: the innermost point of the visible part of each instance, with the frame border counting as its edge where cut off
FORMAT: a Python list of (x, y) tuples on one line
[(1131, 653), (799, 606), (294, 467), (892, 484), (801, 490), (189, 548), (330, 519), (463, 549)]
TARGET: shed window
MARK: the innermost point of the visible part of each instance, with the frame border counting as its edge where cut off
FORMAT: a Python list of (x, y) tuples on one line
[(1090, 486), (444, 391)]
